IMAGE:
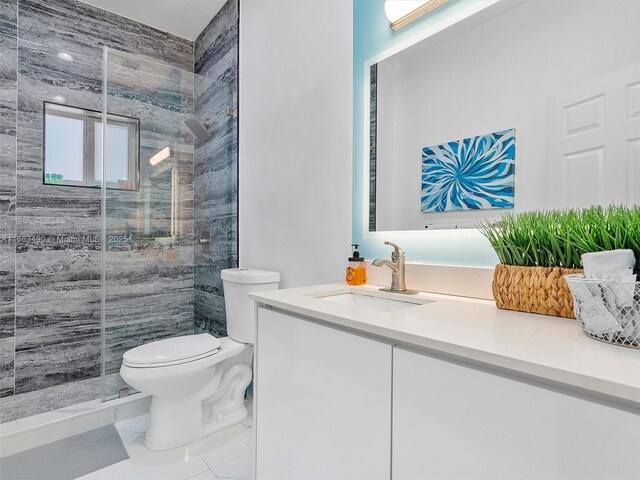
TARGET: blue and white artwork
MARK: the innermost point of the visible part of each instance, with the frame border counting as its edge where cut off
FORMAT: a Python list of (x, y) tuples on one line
[(475, 173)]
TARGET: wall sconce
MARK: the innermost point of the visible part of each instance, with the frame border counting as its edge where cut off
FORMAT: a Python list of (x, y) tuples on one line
[(403, 12)]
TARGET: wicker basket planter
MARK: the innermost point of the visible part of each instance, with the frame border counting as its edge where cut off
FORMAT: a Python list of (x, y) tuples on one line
[(540, 290)]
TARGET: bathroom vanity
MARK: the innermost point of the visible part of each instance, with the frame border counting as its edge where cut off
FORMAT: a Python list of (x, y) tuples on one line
[(354, 383)]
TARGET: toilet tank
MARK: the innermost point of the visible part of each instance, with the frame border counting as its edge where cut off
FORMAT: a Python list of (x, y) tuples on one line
[(238, 282)]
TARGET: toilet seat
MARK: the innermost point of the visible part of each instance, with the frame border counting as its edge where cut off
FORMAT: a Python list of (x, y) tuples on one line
[(172, 351)]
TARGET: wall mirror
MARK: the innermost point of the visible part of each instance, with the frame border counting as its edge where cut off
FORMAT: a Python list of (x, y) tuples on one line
[(73, 148), (538, 102)]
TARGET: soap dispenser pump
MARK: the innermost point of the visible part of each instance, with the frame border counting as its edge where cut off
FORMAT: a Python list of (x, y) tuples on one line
[(357, 268)]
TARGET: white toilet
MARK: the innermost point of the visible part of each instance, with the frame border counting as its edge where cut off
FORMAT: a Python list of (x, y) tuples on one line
[(197, 382)]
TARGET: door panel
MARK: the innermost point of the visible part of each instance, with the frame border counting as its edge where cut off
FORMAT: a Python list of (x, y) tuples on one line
[(323, 402), (593, 134)]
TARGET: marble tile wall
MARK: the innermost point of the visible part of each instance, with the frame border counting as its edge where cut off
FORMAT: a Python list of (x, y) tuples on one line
[(216, 166), (8, 111), (49, 258)]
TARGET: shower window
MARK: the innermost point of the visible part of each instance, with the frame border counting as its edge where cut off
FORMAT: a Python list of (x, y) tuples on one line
[(73, 148)]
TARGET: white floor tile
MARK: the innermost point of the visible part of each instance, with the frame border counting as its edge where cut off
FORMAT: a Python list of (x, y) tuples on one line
[(249, 419), (175, 464), (227, 454), (225, 445), (208, 475), (130, 470), (135, 424), (240, 468)]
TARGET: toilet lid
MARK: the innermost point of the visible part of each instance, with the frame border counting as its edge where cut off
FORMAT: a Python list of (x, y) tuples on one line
[(173, 350)]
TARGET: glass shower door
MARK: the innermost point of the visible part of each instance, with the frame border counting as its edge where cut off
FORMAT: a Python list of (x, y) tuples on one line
[(149, 241)]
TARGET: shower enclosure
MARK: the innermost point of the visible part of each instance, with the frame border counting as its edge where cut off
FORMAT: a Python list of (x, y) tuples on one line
[(147, 221), (99, 257), (157, 248)]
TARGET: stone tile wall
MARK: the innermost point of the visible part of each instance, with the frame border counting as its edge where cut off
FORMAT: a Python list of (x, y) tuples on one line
[(216, 165), (49, 266)]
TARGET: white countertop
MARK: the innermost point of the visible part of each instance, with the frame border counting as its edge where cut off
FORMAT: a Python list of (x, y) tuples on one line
[(547, 347)]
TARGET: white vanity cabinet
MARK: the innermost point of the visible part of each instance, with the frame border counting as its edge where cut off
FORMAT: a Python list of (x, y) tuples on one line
[(451, 389), (323, 402), (453, 421)]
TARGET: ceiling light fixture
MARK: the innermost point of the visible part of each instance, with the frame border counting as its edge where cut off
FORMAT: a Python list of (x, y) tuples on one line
[(160, 156), (403, 12)]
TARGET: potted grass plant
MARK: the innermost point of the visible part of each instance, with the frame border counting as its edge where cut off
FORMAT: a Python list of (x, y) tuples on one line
[(536, 249)]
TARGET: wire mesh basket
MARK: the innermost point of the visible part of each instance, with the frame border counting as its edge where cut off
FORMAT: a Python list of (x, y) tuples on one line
[(607, 310)]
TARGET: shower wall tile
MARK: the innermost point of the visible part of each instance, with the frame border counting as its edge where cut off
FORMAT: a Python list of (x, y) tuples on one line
[(34, 199), (8, 17), (7, 348), (7, 261), (8, 92), (8, 79), (207, 274), (43, 76), (46, 399), (57, 260), (224, 238), (149, 270), (134, 319), (56, 342), (215, 185), (87, 28), (7, 304), (7, 171), (160, 127), (8, 141), (209, 313), (151, 84), (215, 194), (217, 39)]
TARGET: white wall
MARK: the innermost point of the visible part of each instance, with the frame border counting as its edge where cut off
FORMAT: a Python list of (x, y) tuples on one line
[(498, 75), (295, 138)]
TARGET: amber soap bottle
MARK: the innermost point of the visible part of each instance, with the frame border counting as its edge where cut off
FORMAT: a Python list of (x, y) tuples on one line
[(357, 268)]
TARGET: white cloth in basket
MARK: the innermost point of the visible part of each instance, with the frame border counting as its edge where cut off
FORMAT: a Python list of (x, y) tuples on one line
[(616, 268), (613, 262)]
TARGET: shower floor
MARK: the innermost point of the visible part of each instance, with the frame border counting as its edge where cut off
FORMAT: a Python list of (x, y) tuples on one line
[(224, 455)]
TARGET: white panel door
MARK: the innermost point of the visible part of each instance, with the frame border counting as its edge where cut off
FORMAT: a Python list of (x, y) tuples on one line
[(453, 422), (594, 142), (323, 402)]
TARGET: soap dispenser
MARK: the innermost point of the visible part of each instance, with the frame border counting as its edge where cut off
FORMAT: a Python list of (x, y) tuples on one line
[(357, 269)]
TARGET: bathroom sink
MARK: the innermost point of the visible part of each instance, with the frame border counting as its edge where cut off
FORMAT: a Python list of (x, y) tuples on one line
[(379, 304)]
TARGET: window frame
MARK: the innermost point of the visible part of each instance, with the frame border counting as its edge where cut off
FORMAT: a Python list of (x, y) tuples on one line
[(89, 119)]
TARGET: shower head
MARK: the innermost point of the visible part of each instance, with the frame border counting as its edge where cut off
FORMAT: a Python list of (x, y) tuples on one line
[(198, 129)]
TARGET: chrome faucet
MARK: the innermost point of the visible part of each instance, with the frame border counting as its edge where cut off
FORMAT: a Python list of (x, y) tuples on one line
[(397, 266)]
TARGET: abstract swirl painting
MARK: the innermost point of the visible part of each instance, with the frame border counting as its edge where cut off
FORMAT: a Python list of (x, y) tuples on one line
[(475, 173)]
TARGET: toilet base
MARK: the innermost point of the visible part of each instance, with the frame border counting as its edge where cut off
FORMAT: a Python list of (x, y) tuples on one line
[(182, 430), (178, 420)]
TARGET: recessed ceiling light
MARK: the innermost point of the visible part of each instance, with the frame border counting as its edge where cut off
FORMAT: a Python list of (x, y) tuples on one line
[(65, 56)]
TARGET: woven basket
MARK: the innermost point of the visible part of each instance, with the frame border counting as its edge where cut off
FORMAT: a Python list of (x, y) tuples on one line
[(533, 289)]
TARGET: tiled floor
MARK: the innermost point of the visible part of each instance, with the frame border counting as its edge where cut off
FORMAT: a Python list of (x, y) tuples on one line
[(226, 455)]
